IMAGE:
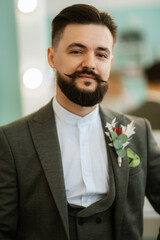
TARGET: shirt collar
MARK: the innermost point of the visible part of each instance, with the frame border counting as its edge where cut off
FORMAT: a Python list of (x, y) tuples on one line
[(73, 119)]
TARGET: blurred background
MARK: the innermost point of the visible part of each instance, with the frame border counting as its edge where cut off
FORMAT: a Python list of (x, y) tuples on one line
[(27, 82)]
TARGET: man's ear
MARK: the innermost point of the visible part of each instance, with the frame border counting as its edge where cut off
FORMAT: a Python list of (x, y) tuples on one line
[(112, 59), (50, 55)]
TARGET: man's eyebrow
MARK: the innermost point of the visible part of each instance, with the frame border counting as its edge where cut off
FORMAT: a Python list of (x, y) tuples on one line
[(80, 45)]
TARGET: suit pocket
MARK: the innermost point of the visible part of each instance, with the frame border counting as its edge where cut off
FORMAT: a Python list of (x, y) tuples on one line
[(135, 170)]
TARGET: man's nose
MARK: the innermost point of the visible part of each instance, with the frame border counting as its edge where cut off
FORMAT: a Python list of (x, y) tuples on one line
[(89, 61)]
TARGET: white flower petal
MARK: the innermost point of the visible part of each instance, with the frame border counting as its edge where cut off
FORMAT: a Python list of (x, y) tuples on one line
[(130, 129), (123, 129), (110, 144), (125, 144)]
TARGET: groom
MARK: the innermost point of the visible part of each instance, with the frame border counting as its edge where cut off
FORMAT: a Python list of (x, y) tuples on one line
[(59, 177)]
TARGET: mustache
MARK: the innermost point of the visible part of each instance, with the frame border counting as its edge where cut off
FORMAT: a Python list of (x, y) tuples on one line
[(89, 72)]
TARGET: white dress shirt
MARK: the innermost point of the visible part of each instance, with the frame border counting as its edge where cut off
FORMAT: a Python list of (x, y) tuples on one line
[(84, 156)]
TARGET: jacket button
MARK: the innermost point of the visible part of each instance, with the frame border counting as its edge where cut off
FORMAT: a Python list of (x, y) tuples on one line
[(80, 221), (98, 220)]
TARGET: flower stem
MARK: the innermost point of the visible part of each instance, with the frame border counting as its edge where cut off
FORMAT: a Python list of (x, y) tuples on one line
[(119, 161)]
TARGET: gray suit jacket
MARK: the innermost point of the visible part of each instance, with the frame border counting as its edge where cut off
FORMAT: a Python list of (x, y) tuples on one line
[(33, 204)]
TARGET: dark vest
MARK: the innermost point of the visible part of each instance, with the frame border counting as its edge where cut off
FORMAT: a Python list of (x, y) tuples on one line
[(95, 222)]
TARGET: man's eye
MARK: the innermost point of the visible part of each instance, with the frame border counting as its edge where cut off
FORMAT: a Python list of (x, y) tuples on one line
[(75, 52), (102, 55)]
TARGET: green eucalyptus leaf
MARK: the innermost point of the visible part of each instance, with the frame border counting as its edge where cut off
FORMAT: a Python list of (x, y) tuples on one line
[(113, 135), (123, 138), (117, 144), (121, 152)]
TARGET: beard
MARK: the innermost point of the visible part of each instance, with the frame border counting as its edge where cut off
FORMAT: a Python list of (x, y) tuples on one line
[(82, 97)]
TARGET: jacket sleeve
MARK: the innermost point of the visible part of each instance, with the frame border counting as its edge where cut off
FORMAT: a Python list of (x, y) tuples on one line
[(8, 191), (153, 170)]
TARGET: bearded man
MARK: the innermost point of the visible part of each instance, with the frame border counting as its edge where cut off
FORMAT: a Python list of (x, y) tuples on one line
[(61, 176)]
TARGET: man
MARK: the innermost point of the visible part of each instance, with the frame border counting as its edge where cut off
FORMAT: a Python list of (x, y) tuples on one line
[(150, 109), (59, 178)]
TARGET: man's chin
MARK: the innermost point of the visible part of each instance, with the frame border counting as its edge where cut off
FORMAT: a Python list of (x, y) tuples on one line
[(86, 98), (86, 87)]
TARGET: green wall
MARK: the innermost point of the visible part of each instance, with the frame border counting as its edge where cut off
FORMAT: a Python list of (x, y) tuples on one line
[(144, 19), (10, 102)]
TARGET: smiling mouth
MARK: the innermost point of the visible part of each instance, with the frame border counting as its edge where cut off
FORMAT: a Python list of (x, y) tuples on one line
[(87, 77)]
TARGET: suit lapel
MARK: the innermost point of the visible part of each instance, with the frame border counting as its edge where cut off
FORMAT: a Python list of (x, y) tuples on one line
[(44, 134), (121, 174)]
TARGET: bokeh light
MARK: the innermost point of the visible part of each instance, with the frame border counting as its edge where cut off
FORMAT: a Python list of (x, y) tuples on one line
[(32, 78), (27, 6)]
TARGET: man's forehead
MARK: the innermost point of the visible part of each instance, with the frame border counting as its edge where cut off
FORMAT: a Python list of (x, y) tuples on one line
[(76, 27), (84, 33)]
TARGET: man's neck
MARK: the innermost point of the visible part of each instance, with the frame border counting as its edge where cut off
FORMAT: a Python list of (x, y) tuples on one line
[(71, 106)]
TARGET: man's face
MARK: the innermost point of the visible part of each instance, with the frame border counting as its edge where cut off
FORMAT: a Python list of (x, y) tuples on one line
[(82, 61)]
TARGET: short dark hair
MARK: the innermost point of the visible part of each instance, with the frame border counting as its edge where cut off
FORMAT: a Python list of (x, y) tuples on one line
[(81, 14), (152, 73)]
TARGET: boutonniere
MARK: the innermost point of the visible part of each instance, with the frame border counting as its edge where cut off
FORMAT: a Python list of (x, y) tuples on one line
[(120, 137)]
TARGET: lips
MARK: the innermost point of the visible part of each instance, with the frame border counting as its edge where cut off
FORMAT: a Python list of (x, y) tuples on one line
[(87, 76)]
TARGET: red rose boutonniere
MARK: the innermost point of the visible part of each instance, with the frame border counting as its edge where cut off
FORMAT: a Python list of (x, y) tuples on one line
[(119, 137)]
